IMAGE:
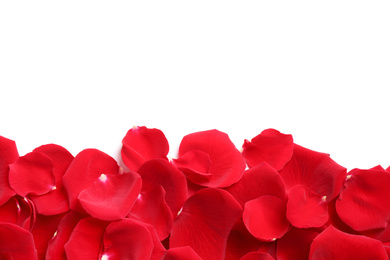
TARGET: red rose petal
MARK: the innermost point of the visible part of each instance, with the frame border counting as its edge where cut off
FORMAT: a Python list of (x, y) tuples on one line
[(32, 174), (295, 244), (127, 239), (315, 170), (257, 181), (366, 194), (116, 192), (158, 172), (334, 244), (305, 208), (16, 243), (55, 201), (8, 155), (84, 170), (265, 217), (180, 253), (141, 144), (9, 211), (86, 240), (270, 146), (196, 166), (151, 208), (227, 164), (257, 256), (208, 215)]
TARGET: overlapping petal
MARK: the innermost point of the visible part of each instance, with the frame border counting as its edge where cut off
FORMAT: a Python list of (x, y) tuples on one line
[(269, 146), (257, 256), (8, 154), (181, 253)]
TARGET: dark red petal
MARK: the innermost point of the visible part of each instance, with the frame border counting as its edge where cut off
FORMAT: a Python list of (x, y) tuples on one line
[(116, 192), (32, 174), (181, 253), (158, 172), (86, 240), (227, 164), (295, 244), (315, 170), (8, 155), (84, 170), (141, 144), (16, 242), (257, 181), (26, 212), (305, 208), (208, 215), (9, 211), (257, 256), (265, 217), (334, 244), (270, 146), (127, 239), (55, 201), (196, 166), (365, 194), (55, 249), (152, 209), (43, 231)]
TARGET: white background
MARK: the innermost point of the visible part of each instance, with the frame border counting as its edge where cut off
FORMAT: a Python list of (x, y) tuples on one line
[(81, 73)]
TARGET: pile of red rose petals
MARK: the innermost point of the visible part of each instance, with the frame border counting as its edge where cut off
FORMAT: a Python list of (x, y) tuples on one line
[(272, 200)]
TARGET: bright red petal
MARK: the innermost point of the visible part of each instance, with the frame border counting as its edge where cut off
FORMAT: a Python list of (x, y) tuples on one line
[(16, 242), (257, 181), (315, 170), (196, 166), (141, 144), (158, 172), (334, 244), (257, 256), (116, 192), (32, 174), (366, 194), (208, 215), (86, 240), (270, 146), (305, 208), (227, 164), (8, 155), (265, 217), (84, 170), (127, 239), (181, 253)]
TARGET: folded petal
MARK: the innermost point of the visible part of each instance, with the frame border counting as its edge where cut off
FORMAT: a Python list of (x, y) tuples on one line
[(315, 170), (269, 146), (16, 243), (365, 194), (181, 253), (259, 180), (32, 174), (227, 164), (127, 239), (196, 166), (334, 244), (158, 172), (116, 192), (208, 215), (8, 154), (84, 170), (141, 144), (265, 217), (305, 208)]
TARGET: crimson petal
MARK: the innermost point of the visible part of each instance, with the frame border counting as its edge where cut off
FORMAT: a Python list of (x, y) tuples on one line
[(16, 242), (257, 256), (305, 208), (141, 144), (181, 253), (8, 154), (208, 215), (32, 174), (269, 146), (334, 244), (127, 239), (84, 170), (265, 217), (227, 164), (116, 192), (365, 194)]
